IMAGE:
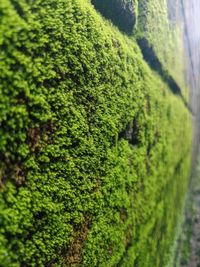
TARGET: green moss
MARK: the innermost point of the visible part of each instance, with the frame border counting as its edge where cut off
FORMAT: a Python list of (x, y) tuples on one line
[(74, 189), (122, 13), (166, 37)]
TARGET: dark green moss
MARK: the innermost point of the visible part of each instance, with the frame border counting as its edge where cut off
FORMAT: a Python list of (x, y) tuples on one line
[(121, 12)]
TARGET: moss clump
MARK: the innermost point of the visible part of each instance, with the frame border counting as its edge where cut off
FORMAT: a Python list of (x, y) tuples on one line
[(94, 151)]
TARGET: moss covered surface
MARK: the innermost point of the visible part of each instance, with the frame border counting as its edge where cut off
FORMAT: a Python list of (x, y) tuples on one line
[(160, 23), (122, 13), (94, 147)]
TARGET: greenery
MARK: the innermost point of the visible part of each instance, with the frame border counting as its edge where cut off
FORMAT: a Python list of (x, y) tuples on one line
[(94, 147), (123, 13), (188, 246), (165, 34)]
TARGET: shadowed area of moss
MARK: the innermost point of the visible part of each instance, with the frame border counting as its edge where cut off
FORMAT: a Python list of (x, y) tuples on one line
[(160, 23), (121, 12), (94, 152)]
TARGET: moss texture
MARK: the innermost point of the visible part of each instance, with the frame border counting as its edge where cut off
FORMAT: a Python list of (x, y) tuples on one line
[(160, 23), (94, 147)]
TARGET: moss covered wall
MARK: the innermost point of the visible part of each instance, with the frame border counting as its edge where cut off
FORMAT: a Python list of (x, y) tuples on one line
[(163, 27), (95, 147)]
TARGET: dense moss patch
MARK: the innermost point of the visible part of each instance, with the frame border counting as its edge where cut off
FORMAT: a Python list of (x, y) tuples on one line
[(94, 152)]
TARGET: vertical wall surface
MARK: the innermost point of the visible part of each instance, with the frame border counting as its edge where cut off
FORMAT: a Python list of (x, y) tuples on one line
[(191, 12), (96, 131)]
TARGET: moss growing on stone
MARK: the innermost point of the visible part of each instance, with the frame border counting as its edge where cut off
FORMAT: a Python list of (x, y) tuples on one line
[(94, 147)]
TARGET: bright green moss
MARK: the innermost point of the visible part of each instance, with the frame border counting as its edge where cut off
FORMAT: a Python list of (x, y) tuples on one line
[(74, 190)]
